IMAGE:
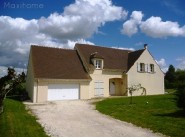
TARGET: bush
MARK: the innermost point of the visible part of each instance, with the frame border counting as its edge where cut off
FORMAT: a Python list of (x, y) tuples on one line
[(19, 93), (181, 96)]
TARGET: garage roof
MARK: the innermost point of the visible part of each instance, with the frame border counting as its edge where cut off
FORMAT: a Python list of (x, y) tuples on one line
[(57, 63)]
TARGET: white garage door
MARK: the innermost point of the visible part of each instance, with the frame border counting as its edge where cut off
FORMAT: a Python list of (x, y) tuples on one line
[(63, 91)]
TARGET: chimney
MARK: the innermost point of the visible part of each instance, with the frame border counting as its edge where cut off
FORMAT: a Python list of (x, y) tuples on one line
[(145, 46)]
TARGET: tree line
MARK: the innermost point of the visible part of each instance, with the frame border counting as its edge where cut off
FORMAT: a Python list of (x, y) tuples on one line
[(175, 79)]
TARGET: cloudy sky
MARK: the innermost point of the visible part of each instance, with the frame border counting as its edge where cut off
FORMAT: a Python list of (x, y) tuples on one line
[(117, 23)]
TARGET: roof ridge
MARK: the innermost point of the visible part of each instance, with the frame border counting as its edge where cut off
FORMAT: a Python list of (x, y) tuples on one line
[(103, 47), (49, 47), (137, 50)]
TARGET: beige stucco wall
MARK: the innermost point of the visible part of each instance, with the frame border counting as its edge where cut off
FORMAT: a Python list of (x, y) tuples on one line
[(102, 76), (153, 82), (30, 79), (40, 91)]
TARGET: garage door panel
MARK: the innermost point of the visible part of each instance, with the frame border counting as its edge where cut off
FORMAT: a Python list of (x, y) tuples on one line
[(63, 91)]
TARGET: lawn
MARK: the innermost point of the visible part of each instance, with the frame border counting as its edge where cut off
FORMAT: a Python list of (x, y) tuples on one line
[(160, 114), (18, 122)]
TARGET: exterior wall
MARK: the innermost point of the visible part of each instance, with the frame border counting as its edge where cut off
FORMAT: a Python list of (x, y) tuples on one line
[(153, 82), (41, 89), (124, 85), (102, 76), (42, 92), (84, 90), (30, 85)]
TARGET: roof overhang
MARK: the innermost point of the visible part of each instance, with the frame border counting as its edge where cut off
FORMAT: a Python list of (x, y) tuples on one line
[(61, 80)]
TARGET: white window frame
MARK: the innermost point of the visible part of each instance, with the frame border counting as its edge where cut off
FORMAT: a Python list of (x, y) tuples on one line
[(98, 63), (98, 88), (142, 67), (152, 68)]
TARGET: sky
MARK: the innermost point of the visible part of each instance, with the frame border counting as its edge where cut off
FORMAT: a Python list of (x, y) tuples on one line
[(124, 24)]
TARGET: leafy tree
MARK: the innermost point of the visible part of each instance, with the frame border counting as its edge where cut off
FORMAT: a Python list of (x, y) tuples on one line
[(8, 83), (181, 96), (170, 77), (180, 76)]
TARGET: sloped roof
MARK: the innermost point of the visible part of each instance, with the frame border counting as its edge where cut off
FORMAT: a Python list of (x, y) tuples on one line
[(57, 63), (113, 58), (132, 57)]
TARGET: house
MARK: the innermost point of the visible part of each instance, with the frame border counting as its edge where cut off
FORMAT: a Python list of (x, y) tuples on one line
[(89, 71)]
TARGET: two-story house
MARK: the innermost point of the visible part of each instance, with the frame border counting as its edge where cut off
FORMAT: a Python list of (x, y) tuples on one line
[(90, 71)]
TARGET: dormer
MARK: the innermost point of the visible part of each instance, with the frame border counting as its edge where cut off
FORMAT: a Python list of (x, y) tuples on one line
[(97, 60)]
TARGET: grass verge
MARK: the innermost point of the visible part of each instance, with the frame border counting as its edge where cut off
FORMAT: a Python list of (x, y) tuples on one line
[(18, 122), (160, 114)]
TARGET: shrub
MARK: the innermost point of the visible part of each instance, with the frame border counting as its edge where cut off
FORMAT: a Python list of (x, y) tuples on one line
[(181, 96)]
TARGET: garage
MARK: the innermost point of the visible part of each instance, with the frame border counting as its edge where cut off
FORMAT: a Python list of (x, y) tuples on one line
[(63, 92)]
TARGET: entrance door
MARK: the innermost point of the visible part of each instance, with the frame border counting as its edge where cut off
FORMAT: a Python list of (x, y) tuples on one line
[(112, 88)]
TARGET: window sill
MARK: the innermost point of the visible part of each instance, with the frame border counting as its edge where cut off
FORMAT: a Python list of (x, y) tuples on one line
[(146, 72)]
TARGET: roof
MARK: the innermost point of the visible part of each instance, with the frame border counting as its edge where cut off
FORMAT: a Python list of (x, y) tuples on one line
[(57, 63), (113, 58), (133, 56)]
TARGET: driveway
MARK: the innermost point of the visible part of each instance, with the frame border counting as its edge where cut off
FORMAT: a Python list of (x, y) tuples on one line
[(80, 119)]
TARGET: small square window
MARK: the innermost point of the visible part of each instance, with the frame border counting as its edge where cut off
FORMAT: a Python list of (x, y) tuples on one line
[(98, 64)]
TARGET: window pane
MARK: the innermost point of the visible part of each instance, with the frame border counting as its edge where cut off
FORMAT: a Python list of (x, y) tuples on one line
[(142, 67), (98, 64)]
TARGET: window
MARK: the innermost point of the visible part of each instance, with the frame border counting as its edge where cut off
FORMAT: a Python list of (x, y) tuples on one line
[(98, 88), (151, 69), (98, 64), (142, 67), (147, 68)]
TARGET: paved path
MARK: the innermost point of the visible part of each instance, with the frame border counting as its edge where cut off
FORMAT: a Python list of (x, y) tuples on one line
[(79, 119)]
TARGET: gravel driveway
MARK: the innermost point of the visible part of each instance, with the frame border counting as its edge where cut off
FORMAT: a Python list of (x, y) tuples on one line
[(80, 119)]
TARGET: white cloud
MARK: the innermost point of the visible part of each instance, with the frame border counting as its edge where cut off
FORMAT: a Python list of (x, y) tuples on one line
[(79, 20), (130, 27), (122, 48), (181, 64), (162, 64), (4, 70), (153, 26), (139, 44)]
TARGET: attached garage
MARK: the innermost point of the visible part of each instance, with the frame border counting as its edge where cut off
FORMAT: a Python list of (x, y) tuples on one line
[(63, 92)]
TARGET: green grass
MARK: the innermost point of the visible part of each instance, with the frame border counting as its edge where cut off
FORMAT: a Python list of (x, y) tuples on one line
[(18, 122), (160, 114)]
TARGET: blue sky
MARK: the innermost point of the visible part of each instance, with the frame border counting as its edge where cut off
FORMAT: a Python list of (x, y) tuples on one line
[(116, 23)]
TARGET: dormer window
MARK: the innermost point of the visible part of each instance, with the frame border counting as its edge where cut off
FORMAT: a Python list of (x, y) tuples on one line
[(97, 60), (98, 63)]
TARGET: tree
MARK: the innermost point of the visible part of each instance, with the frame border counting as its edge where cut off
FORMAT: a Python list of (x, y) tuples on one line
[(8, 83), (180, 94), (180, 76), (134, 88), (170, 74), (170, 77)]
